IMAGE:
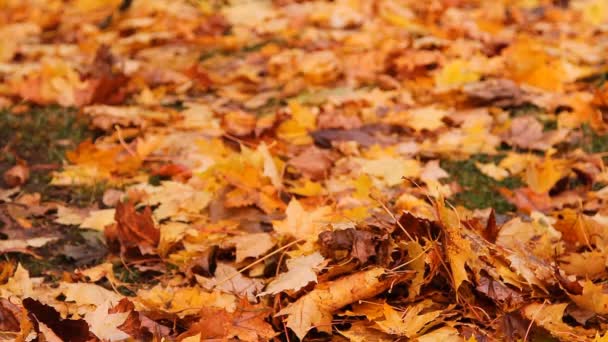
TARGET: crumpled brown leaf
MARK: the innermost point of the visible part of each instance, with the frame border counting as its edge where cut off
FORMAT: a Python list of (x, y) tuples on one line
[(16, 175), (246, 322), (138, 325), (499, 92), (361, 244), (527, 132), (313, 162), (67, 329), (133, 230)]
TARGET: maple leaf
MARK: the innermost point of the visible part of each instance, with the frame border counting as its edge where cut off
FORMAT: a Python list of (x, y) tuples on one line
[(301, 271), (362, 245), (246, 322), (492, 170), (183, 301), (391, 170), (228, 279), (251, 245), (592, 297), (550, 317), (411, 322), (46, 317), (458, 249), (133, 229), (96, 219), (362, 332), (105, 325), (316, 307), (313, 162), (300, 223)]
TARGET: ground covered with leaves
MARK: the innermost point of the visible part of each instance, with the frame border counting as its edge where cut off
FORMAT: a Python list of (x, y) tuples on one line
[(349, 170)]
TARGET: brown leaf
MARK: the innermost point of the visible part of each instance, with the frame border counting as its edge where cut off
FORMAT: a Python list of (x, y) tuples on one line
[(133, 229), (67, 329), (313, 162), (363, 136), (331, 119), (499, 92), (507, 298), (137, 325), (526, 200), (361, 244), (9, 316), (239, 123), (175, 171), (16, 175), (247, 323)]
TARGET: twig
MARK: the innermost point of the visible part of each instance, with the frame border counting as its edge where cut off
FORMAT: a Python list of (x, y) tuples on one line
[(257, 262), (122, 141)]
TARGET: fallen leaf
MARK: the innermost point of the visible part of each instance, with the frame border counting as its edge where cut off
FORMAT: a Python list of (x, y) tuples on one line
[(22, 245), (301, 271), (362, 245), (66, 329), (98, 219), (492, 170), (251, 245), (593, 297), (313, 162), (499, 92), (105, 325), (133, 230), (228, 279), (300, 223), (315, 309), (411, 322), (246, 322), (16, 175), (550, 317)]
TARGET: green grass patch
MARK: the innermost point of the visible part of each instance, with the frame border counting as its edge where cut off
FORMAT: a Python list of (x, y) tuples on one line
[(479, 190), (593, 142)]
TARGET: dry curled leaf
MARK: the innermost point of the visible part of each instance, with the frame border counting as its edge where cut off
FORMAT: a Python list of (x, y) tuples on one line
[(133, 229), (315, 309)]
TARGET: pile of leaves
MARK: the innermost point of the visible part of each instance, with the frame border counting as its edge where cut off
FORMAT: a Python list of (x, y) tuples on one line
[(348, 170)]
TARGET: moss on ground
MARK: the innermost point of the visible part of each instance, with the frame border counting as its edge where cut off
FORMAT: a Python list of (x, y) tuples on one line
[(479, 190), (41, 137)]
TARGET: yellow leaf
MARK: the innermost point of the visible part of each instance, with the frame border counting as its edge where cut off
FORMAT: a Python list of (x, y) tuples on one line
[(88, 294), (251, 245), (105, 325), (550, 317), (593, 298), (492, 170), (300, 223), (429, 118), (170, 234), (443, 334), (410, 323), (595, 12), (455, 74), (308, 188), (98, 219), (390, 170), (69, 216), (184, 301), (363, 187), (541, 175), (301, 271)]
